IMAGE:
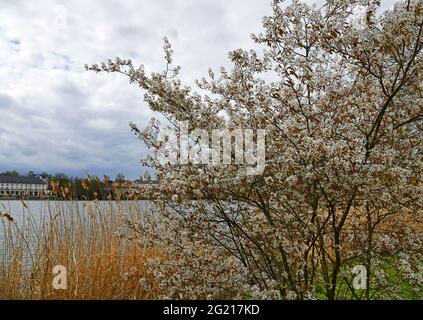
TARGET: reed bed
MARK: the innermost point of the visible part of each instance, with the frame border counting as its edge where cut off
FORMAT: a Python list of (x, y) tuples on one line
[(80, 236)]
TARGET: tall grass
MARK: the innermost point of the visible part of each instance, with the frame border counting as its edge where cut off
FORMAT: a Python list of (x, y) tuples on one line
[(80, 237)]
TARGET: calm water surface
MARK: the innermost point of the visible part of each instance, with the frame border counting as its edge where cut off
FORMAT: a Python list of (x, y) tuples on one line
[(39, 210), (31, 217)]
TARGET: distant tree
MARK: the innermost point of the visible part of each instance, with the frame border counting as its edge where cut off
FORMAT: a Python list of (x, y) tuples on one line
[(60, 176), (13, 173), (120, 178)]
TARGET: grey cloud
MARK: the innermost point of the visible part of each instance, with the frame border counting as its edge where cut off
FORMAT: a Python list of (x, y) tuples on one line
[(5, 101)]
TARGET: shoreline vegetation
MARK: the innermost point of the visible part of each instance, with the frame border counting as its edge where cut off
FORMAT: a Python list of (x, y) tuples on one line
[(99, 264)]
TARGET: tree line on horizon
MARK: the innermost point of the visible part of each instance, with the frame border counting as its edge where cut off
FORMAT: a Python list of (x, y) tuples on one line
[(120, 177), (65, 187)]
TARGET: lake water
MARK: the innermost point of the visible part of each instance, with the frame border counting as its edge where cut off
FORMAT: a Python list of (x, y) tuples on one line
[(40, 210), (30, 218)]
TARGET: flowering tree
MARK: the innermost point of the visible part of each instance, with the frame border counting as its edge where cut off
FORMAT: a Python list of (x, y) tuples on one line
[(339, 91)]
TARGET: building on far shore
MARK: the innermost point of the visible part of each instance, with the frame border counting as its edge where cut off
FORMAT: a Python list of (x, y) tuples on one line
[(22, 186)]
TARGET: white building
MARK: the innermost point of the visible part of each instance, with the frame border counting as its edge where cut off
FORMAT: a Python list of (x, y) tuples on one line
[(22, 186)]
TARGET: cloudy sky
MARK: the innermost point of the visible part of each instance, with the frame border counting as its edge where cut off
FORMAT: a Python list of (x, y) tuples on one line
[(56, 117)]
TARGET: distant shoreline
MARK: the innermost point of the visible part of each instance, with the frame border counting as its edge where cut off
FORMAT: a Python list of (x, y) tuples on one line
[(26, 198)]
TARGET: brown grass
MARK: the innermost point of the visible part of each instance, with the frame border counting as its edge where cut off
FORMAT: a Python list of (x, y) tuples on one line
[(99, 265)]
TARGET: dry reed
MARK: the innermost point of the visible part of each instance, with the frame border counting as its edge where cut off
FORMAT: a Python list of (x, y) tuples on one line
[(80, 237)]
